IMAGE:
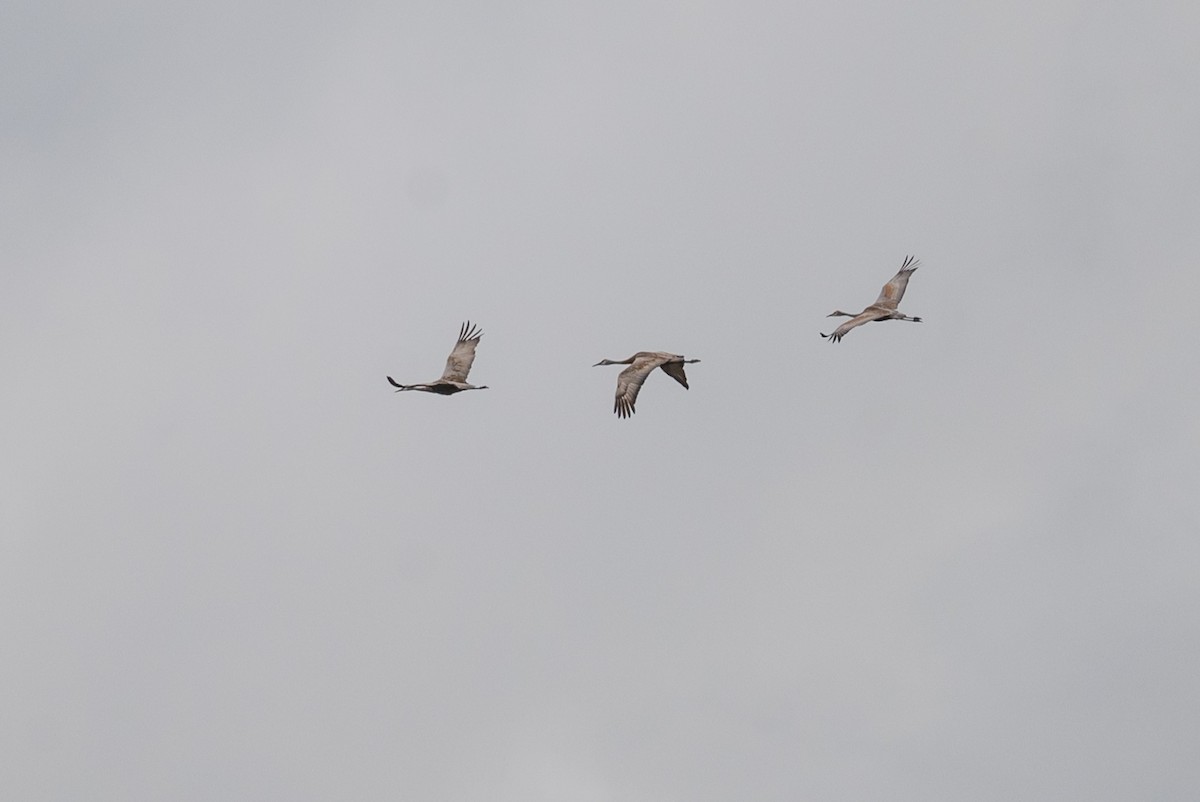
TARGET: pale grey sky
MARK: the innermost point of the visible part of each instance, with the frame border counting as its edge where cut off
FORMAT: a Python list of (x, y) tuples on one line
[(947, 561)]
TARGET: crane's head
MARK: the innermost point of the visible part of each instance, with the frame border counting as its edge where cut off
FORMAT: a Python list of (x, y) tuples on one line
[(839, 313), (604, 362)]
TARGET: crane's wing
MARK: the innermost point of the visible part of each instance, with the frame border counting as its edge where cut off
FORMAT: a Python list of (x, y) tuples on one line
[(629, 384), (866, 316), (675, 371), (893, 291), (458, 364)]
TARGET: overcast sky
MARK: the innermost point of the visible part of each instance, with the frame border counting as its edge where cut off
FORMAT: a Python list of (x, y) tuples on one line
[(955, 560)]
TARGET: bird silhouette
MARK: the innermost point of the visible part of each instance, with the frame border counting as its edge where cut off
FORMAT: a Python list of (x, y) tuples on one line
[(458, 365), (885, 306), (641, 364)]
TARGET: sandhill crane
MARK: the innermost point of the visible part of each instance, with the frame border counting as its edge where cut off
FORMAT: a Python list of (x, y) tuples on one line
[(458, 365), (885, 305), (629, 381)]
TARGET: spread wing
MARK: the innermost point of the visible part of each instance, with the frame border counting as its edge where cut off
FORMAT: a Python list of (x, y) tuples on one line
[(675, 371), (629, 384), (458, 364), (866, 316), (893, 291)]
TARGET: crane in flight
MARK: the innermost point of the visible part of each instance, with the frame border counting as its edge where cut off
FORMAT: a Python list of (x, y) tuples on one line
[(885, 306), (458, 365), (641, 365)]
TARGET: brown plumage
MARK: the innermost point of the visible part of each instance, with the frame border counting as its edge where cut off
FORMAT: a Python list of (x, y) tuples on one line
[(885, 306), (458, 365), (641, 364)]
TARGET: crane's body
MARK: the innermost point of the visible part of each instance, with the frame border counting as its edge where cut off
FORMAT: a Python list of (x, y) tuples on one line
[(458, 365), (641, 364), (885, 306)]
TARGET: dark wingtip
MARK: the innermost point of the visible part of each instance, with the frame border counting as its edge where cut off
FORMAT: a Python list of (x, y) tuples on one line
[(393, 382), (469, 331)]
